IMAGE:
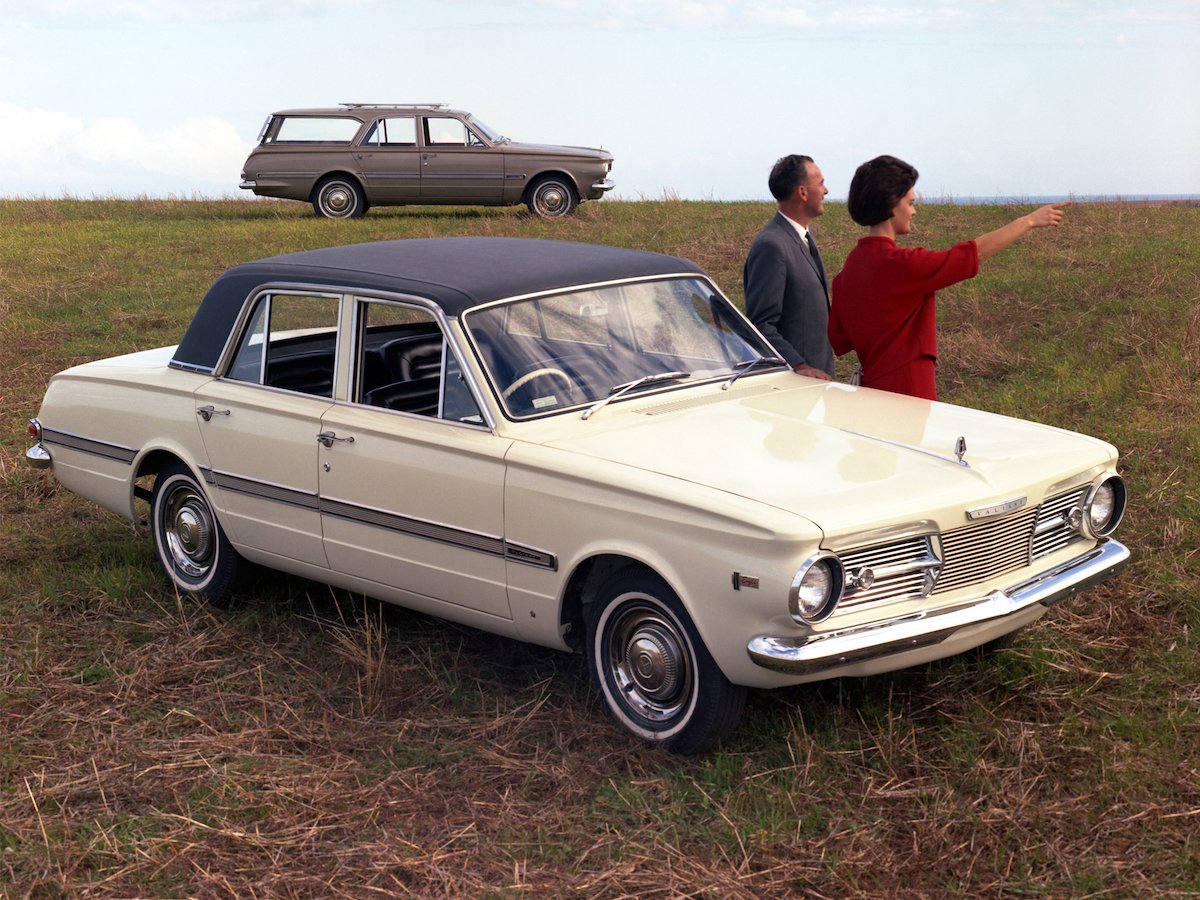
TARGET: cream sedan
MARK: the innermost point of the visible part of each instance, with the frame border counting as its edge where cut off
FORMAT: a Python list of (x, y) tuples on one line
[(585, 447)]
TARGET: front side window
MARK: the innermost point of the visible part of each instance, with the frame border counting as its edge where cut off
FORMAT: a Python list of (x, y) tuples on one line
[(312, 130), (403, 363), (554, 353), (290, 343), (447, 131)]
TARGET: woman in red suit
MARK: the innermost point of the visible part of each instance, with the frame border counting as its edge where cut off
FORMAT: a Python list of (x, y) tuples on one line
[(884, 305)]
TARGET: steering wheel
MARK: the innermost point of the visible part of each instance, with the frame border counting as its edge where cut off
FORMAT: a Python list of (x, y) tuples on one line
[(539, 373)]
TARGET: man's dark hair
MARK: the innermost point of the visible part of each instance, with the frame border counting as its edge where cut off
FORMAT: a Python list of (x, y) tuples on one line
[(787, 174), (877, 186)]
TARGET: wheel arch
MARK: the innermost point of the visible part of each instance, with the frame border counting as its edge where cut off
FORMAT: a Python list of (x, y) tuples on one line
[(149, 465), (585, 582), (541, 176), (335, 173)]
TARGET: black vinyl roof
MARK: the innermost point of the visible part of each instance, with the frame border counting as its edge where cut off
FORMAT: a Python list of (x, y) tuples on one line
[(454, 273)]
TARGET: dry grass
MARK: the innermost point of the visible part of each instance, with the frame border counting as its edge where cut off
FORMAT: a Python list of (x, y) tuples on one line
[(313, 744)]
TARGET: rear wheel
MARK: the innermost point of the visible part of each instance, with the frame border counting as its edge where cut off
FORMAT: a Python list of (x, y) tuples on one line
[(188, 540), (552, 197), (339, 197), (655, 675)]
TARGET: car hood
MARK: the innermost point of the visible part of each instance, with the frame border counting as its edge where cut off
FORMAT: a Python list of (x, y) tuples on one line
[(841, 457), (561, 150)]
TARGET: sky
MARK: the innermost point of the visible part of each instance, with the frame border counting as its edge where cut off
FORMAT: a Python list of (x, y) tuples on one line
[(695, 98)]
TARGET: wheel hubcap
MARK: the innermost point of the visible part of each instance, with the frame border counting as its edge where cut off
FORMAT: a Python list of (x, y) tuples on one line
[(552, 200), (650, 664), (337, 200), (654, 664), (188, 529)]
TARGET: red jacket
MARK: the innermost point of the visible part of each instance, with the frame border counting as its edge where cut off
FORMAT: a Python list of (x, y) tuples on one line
[(884, 307)]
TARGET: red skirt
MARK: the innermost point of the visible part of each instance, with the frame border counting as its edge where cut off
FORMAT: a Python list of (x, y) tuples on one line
[(917, 379)]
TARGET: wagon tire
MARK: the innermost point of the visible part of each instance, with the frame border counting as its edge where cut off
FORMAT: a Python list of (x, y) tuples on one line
[(339, 197), (189, 542), (552, 197), (652, 670)]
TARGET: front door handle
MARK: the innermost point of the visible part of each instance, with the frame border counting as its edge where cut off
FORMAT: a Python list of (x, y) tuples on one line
[(329, 438), (207, 412)]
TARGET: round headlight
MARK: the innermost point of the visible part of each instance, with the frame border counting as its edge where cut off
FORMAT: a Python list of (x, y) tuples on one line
[(816, 589), (1105, 506)]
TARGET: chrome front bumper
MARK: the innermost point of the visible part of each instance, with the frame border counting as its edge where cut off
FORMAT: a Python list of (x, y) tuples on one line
[(877, 640), (601, 186)]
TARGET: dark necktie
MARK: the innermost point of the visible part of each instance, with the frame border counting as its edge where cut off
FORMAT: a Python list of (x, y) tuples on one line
[(816, 255)]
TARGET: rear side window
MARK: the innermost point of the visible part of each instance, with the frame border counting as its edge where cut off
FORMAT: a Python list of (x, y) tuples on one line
[(394, 132), (298, 333), (312, 130)]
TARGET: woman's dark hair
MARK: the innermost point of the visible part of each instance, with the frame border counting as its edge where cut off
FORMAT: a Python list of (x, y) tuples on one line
[(878, 185)]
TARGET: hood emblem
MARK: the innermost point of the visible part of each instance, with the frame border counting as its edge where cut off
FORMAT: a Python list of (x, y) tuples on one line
[(997, 509), (960, 447)]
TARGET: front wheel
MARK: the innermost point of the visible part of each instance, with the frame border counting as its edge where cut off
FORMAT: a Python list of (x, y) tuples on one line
[(657, 678), (188, 540), (339, 197), (552, 197)]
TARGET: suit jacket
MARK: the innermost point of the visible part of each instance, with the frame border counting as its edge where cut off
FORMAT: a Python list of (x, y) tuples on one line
[(786, 295)]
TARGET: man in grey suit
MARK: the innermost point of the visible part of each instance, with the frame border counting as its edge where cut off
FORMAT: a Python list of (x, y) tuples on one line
[(787, 297)]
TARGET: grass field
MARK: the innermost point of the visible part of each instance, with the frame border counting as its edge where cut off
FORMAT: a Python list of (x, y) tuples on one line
[(311, 744)]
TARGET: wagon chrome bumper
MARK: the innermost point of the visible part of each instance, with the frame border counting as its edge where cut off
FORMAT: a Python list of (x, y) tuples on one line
[(878, 640)]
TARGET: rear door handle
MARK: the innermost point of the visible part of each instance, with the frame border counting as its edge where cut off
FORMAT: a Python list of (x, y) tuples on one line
[(207, 412)]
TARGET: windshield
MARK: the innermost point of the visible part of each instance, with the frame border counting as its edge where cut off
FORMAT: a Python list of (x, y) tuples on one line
[(550, 354), (493, 136)]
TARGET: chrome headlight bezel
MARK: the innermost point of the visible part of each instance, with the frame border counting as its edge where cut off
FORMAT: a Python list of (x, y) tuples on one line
[(821, 566), (1111, 486)]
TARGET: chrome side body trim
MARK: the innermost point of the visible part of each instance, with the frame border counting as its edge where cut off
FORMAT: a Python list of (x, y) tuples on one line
[(116, 452), (491, 545), (826, 652), (261, 489)]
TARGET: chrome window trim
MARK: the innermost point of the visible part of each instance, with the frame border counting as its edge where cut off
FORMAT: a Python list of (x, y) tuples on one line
[(234, 338), (580, 288), (343, 295)]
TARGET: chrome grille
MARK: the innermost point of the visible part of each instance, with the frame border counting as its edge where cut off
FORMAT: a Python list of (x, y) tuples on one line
[(969, 555), (899, 569), (1053, 530), (982, 551)]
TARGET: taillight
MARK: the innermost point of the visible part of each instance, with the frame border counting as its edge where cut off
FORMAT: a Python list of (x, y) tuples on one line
[(35, 429)]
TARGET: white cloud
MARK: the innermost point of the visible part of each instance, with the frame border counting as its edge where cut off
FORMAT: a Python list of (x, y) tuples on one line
[(47, 152)]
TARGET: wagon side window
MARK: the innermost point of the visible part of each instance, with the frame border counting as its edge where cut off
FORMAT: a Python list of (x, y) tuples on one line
[(312, 130), (393, 132), (290, 343), (448, 131)]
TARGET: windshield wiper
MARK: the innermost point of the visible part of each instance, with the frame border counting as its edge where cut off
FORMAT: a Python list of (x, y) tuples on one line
[(742, 368), (622, 389)]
